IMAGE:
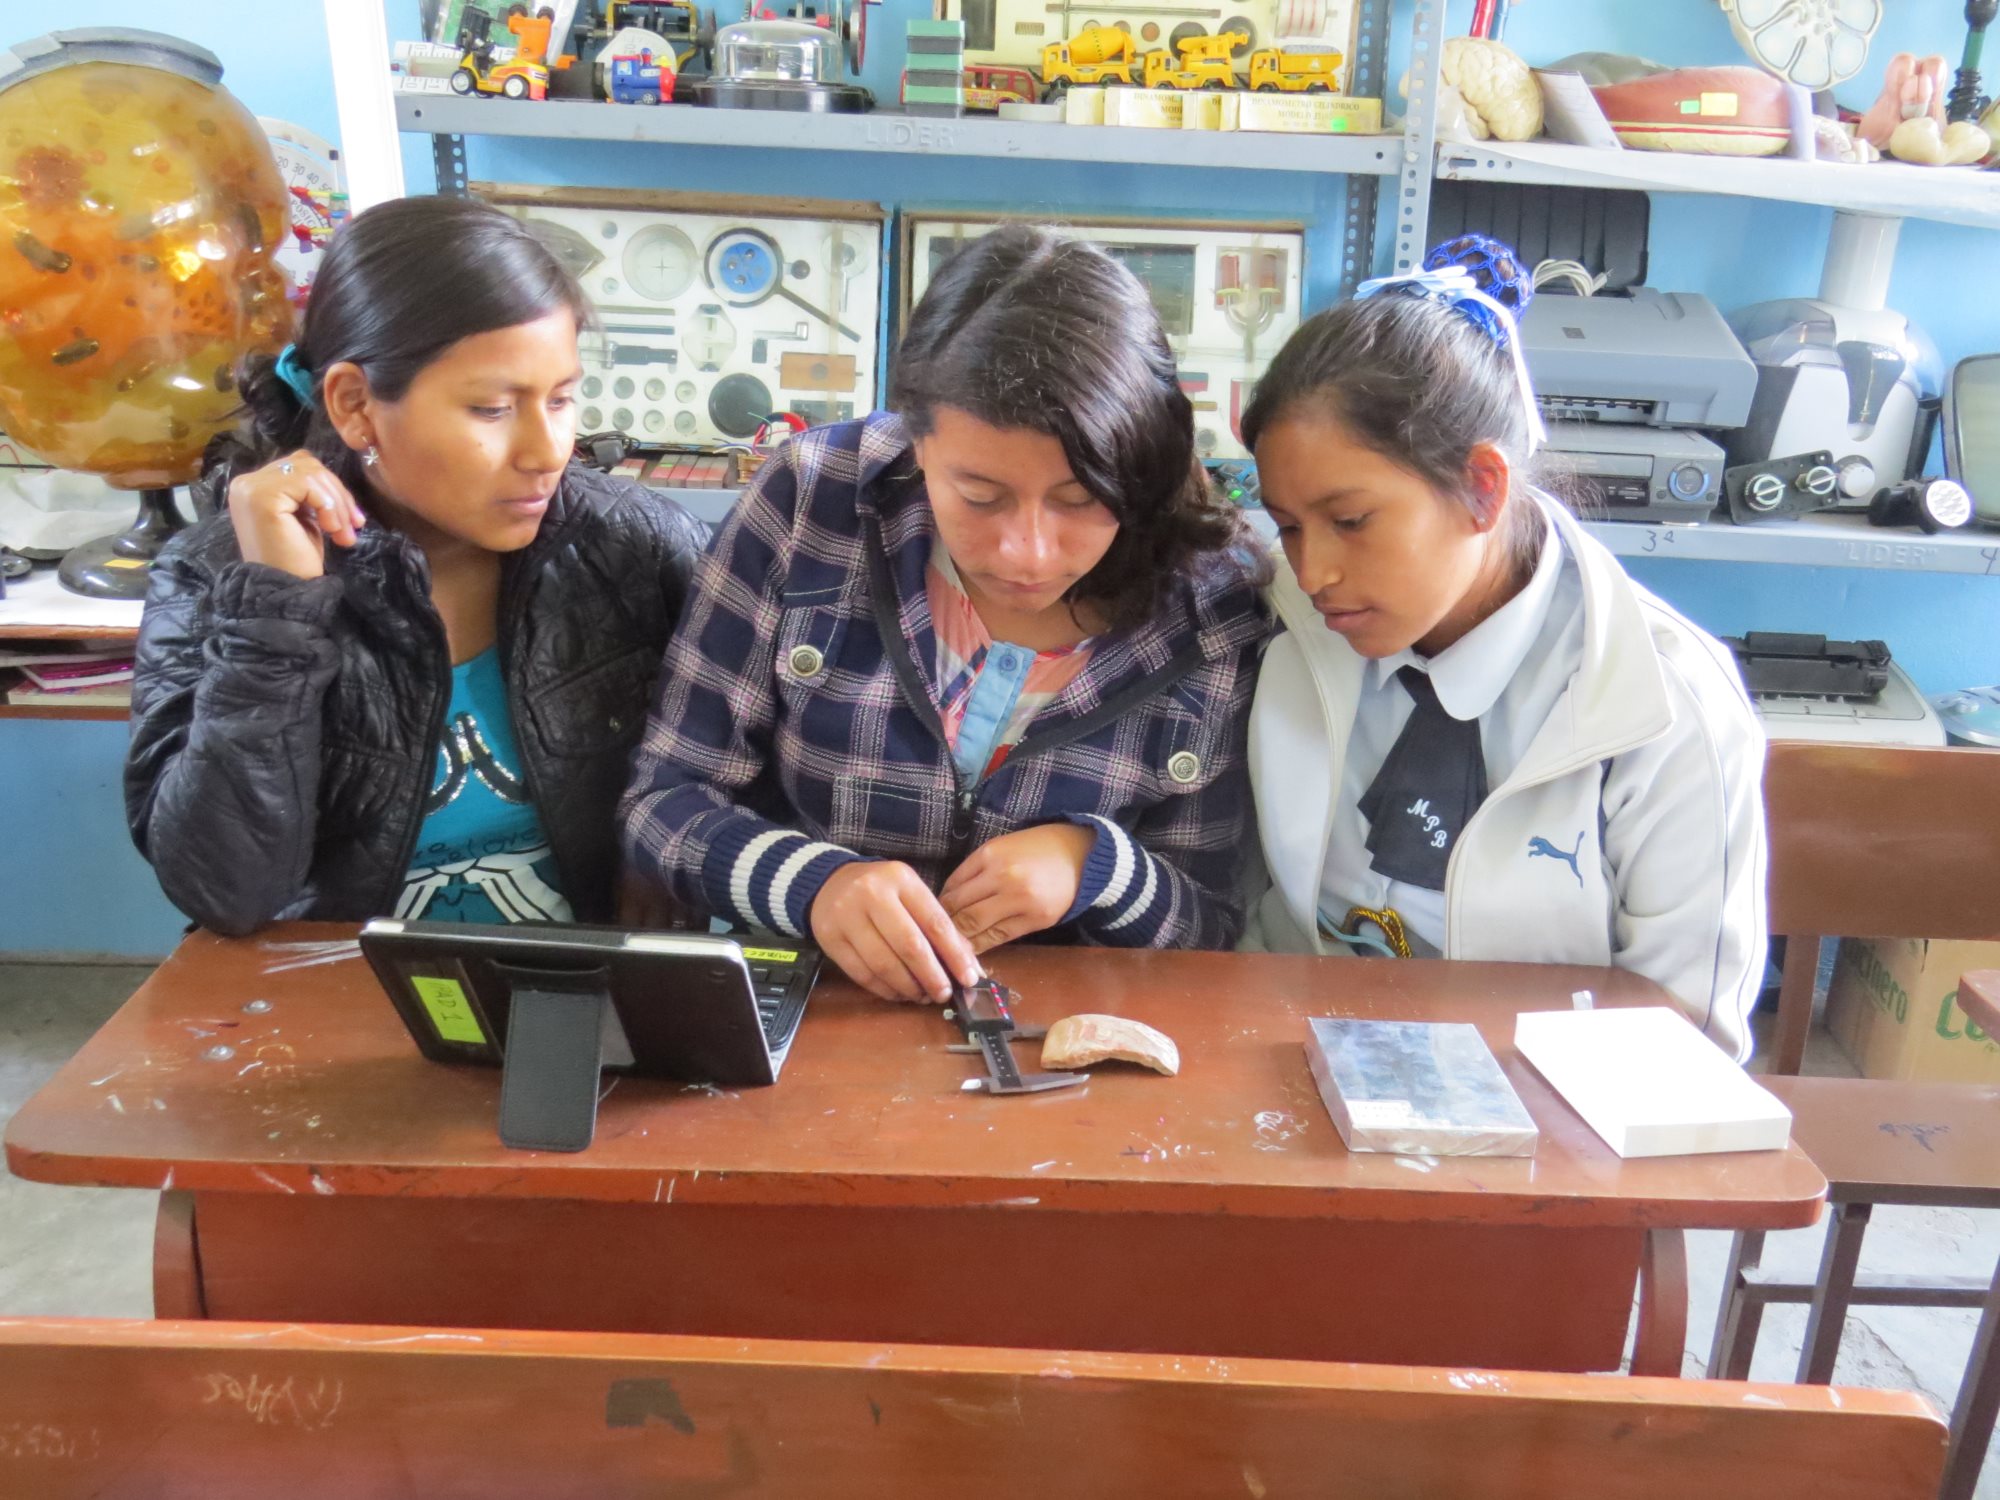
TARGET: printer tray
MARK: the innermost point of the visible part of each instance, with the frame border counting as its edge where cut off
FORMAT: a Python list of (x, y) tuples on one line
[(1774, 662)]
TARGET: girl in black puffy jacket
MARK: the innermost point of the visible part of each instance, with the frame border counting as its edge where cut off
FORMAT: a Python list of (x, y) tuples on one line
[(402, 672)]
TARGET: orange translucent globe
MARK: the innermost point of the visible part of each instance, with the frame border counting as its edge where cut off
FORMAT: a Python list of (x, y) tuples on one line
[(139, 212)]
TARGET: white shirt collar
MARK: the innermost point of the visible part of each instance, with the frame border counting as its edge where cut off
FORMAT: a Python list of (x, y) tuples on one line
[(1472, 672)]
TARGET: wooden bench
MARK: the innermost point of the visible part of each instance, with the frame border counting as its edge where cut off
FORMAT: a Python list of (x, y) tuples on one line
[(117, 1411), (1877, 843)]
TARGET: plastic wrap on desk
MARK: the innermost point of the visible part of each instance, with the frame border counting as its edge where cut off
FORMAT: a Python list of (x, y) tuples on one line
[(1417, 1088)]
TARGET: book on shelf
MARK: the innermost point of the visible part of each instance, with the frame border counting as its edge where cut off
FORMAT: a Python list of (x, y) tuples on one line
[(74, 677), (1649, 1083), (1417, 1088)]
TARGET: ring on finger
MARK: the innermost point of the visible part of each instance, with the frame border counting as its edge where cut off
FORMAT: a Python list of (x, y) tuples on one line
[(285, 468)]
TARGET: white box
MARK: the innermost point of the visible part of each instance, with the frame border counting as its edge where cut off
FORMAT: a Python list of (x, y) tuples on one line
[(1649, 1083), (1083, 106)]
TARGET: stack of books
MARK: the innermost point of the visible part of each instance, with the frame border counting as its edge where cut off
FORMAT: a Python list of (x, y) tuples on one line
[(1417, 1088), (80, 677)]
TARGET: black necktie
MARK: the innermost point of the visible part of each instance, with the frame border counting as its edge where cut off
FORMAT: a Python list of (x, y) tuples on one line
[(1430, 784)]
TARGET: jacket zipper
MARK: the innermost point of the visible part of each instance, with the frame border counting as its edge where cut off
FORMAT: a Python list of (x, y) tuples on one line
[(514, 611), (965, 800), (398, 877)]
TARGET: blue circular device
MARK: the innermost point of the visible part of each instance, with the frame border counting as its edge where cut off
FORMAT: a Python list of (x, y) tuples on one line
[(744, 265)]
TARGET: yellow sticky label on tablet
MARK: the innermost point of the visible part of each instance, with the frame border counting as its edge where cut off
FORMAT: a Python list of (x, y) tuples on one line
[(771, 955), (450, 1012)]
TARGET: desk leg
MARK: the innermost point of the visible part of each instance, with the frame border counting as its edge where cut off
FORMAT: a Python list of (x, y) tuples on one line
[(177, 1289), (1742, 1314), (1978, 1405), (1663, 1304), (1833, 1292)]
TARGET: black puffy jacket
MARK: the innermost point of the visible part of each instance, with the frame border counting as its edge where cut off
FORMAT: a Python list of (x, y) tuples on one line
[(285, 730)]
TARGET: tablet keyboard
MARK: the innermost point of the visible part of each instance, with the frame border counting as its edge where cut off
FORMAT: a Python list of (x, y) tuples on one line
[(781, 979)]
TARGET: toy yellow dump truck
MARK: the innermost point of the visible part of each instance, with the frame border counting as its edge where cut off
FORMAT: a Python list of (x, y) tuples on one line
[(1273, 71), (1096, 54), (1203, 63)]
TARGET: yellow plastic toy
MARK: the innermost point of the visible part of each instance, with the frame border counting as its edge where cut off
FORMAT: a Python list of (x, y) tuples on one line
[(1096, 54), (1204, 62), (1273, 71)]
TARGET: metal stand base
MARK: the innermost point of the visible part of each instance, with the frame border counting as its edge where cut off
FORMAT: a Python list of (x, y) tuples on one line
[(118, 567)]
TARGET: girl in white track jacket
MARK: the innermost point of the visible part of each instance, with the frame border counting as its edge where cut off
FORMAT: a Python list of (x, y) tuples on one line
[(1477, 737)]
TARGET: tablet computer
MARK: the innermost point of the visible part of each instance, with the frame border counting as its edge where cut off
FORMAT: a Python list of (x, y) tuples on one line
[(554, 1004)]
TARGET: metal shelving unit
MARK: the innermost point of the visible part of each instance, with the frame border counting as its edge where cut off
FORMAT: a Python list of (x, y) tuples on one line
[(1362, 160), (1826, 541), (1885, 189), (892, 133)]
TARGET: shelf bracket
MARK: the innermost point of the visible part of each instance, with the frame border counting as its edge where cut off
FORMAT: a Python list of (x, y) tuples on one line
[(448, 153), (1413, 185), (1361, 195)]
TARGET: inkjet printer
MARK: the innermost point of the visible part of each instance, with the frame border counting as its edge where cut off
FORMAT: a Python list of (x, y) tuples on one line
[(1630, 386)]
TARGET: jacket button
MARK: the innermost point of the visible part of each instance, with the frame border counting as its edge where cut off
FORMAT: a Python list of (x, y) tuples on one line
[(806, 661), (617, 724), (1184, 766)]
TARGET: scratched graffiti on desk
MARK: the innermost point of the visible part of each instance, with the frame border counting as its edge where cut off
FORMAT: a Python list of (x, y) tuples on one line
[(276, 1404), (44, 1440), (1921, 1134)]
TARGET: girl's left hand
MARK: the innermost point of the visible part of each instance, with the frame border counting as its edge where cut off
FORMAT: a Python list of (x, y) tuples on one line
[(1017, 884)]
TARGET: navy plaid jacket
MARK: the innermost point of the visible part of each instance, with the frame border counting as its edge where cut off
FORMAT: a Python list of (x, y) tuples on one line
[(796, 727)]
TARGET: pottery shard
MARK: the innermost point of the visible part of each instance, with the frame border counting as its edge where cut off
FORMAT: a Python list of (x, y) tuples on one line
[(1079, 1041)]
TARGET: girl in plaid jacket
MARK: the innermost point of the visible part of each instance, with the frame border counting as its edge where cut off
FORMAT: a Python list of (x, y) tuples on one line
[(974, 669)]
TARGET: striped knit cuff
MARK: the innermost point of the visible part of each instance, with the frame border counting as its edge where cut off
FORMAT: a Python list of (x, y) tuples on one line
[(1119, 878), (767, 877)]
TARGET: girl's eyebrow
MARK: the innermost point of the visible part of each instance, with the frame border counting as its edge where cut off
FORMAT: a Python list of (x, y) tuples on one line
[(1332, 496)]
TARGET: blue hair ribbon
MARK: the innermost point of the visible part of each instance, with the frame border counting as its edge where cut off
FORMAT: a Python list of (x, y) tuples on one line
[(288, 369), (1447, 279)]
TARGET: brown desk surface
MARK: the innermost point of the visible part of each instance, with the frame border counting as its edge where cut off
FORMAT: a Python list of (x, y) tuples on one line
[(324, 1093)]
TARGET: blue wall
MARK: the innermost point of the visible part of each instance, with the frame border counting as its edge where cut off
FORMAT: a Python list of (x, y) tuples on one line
[(68, 877)]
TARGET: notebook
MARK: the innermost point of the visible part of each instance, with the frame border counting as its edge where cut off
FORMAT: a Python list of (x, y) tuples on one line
[(1417, 1088), (1651, 1084)]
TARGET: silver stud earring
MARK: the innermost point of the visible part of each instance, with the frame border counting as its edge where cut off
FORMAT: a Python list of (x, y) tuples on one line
[(371, 458)]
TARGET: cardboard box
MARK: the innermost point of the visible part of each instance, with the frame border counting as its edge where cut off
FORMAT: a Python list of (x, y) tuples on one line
[(1893, 1007), (1083, 106), (1157, 109), (1308, 114), (1203, 111)]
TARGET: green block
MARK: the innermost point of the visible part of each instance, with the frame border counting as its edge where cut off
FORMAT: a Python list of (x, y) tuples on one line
[(935, 28), (934, 78), (918, 94)]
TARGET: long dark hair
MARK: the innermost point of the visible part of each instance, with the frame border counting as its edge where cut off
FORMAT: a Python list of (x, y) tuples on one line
[(401, 283), (1416, 381), (1026, 329)]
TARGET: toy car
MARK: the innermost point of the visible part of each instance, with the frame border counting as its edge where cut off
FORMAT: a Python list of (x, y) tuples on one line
[(1274, 70), (1203, 63), (641, 78), (1096, 54), (988, 88), (478, 74)]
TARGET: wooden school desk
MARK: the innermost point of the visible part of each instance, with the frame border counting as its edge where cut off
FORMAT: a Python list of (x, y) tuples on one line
[(320, 1170)]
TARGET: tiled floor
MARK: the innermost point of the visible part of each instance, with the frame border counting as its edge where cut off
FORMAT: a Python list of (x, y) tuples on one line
[(87, 1251)]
